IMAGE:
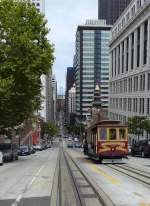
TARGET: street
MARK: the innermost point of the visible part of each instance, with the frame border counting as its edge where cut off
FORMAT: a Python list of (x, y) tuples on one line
[(29, 180), (120, 186), (32, 180)]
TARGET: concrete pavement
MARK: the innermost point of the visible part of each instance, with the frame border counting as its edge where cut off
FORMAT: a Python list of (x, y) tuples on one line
[(122, 189), (29, 180)]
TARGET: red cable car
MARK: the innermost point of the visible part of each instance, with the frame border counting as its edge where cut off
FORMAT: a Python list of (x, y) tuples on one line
[(107, 139)]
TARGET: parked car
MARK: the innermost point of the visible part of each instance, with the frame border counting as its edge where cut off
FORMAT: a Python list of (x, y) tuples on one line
[(69, 138), (78, 145), (49, 145), (32, 150), (76, 139), (1, 158), (10, 151), (24, 150), (141, 148), (70, 144), (38, 147)]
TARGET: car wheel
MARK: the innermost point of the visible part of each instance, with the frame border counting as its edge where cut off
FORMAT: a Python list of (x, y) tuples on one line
[(16, 158), (143, 154)]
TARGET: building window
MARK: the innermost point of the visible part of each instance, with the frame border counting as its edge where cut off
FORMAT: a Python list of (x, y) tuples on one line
[(115, 60), (133, 10), (119, 59), (138, 46), (141, 106), (127, 17), (127, 54), (145, 42), (138, 4), (123, 57), (148, 105), (136, 83), (130, 85), (129, 104), (148, 81), (132, 50), (112, 62), (143, 82), (136, 105)]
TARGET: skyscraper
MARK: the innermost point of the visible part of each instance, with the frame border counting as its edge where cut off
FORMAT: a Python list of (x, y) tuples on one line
[(46, 92), (69, 83), (111, 9), (91, 64), (130, 63)]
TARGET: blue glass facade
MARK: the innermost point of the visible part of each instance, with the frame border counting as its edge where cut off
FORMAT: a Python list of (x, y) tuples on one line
[(92, 66)]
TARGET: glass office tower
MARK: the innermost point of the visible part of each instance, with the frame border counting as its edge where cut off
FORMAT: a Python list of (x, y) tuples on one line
[(91, 64)]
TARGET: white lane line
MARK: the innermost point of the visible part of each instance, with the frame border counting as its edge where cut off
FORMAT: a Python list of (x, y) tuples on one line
[(17, 200)]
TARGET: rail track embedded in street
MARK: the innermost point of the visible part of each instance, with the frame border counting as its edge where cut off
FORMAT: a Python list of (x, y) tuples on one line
[(85, 192), (139, 175)]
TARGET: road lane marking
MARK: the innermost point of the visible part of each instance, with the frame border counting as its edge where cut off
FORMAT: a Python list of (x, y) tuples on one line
[(103, 173), (15, 203)]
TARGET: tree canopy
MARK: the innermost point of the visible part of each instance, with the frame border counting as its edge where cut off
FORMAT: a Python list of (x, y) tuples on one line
[(76, 129), (137, 124), (50, 129), (25, 54)]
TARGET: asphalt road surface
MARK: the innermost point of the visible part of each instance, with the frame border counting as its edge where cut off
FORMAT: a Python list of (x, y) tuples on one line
[(28, 181)]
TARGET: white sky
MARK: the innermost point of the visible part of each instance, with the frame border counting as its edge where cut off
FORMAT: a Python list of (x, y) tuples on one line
[(63, 18)]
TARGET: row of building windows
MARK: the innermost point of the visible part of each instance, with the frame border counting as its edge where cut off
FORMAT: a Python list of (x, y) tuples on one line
[(136, 105), (131, 84), (130, 13), (123, 55)]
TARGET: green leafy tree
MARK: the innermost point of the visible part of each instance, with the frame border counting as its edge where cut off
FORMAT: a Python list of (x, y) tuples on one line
[(76, 129), (136, 125), (146, 126), (50, 129), (25, 54)]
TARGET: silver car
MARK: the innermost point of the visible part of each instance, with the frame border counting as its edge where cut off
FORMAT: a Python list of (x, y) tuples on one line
[(1, 158)]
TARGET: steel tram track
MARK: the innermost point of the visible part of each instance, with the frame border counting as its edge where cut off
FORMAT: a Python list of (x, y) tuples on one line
[(85, 188), (139, 175)]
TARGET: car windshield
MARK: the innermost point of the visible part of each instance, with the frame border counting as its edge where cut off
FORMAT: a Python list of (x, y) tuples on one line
[(23, 147)]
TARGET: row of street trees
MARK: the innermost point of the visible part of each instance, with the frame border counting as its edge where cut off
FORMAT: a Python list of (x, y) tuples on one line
[(25, 55), (137, 125)]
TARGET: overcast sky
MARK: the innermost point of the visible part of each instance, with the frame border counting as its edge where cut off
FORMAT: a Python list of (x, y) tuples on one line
[(63, 18)]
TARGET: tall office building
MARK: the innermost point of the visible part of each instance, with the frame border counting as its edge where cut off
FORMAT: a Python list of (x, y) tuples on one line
[(130, 63), (69, 83), (46, 92), (49, 98), (72, 99), (111, 9), (54, 90), (91, 64)]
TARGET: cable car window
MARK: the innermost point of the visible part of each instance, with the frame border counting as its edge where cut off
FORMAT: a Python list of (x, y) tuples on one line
[(112, 134), (122, 133), (103, 133)]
